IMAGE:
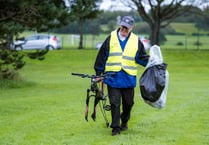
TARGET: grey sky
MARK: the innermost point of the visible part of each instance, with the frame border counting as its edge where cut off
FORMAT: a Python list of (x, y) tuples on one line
[(113, 5)]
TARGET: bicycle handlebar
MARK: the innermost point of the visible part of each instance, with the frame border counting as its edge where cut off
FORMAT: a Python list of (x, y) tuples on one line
[(89, 76), (82, 75)]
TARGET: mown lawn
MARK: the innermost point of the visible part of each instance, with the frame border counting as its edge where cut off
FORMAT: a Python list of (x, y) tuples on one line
[(46, 107)]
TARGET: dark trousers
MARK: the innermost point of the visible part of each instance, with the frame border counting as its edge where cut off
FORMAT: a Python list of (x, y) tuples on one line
[(115, 96)]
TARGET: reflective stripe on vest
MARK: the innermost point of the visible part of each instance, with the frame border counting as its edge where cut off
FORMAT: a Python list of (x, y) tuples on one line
[(118, 59)]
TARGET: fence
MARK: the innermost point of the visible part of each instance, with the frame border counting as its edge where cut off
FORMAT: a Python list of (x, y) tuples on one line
[(89, 41), (181, 42), (186, 42)]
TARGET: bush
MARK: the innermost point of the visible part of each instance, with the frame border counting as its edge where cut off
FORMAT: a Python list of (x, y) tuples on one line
[(198, 43), (197, 34), (142, 28), (9, 74), (10, 62), (162, 38), (168, 30), (179, 43)]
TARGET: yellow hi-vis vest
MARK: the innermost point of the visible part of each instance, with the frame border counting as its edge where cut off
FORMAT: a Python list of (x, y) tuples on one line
[(119, 59)]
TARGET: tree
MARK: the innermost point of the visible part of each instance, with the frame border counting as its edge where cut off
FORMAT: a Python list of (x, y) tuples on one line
[(191, 16), (15, 17), (91, 27), (32, 15), (203, 22), (82, 10), (160, 13)]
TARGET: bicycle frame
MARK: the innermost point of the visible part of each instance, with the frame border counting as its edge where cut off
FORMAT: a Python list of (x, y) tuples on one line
[(97, 92)]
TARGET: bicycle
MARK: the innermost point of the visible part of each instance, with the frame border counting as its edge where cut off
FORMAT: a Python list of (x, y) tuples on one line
[(96, 90)]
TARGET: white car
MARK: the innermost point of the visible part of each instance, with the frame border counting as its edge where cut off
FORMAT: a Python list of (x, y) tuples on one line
[(146, 42), (98, 45), (38, 41)]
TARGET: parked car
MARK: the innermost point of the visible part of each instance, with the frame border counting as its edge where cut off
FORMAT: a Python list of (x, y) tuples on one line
[(146, 42), (143, 39), (38, 41), (98, 45)]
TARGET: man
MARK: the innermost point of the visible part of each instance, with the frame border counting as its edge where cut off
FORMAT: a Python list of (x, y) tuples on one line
[(119, 55)]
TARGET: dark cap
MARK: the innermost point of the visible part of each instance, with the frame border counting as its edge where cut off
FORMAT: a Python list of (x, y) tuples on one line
[(127, 21)]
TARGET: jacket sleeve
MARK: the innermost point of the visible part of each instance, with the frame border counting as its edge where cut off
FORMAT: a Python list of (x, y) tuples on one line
[(141, 55), (99, 65)]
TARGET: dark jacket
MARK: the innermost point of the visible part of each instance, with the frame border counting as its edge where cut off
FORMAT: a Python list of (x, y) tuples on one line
[(99, 66)]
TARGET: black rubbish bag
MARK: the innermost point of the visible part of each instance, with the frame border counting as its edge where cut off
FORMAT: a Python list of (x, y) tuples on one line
[(152, 82)]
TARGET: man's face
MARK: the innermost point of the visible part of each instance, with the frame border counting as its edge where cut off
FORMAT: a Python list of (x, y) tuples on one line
[(124, 31)]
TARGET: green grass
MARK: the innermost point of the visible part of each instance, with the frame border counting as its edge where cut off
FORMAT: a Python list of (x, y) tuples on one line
[(47, 105), (187, 28)]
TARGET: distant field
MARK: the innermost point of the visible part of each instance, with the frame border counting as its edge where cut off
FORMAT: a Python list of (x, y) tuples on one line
[(46, 107), (183, 42), (186, 42), (187, 28)]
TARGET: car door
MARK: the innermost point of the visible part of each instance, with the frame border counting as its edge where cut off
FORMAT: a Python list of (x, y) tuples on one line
[(31, 42), (43, 41)]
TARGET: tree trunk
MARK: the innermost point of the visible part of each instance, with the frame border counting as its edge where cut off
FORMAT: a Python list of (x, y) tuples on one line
[(155, 31), (81, 34), (9, 41)]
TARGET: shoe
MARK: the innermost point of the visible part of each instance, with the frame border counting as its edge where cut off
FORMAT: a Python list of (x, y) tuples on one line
[(124, 126), (115, 131)]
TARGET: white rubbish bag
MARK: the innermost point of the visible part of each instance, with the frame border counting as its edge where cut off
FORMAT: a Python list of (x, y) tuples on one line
[(154, 81)]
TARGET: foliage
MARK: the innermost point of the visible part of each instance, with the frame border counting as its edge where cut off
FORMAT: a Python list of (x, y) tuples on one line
[(161, 13), (82, 10), (142, 28), (197, 43), (31, 15), (100, 23), (162, 38), (179, 43), (93, 26), (190, 16), (10, 61), (90, 27), (203, 22), (107, 16), (196, 15), (16, 17)]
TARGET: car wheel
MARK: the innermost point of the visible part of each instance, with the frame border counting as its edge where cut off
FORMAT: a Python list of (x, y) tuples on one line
[(50, 47)]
